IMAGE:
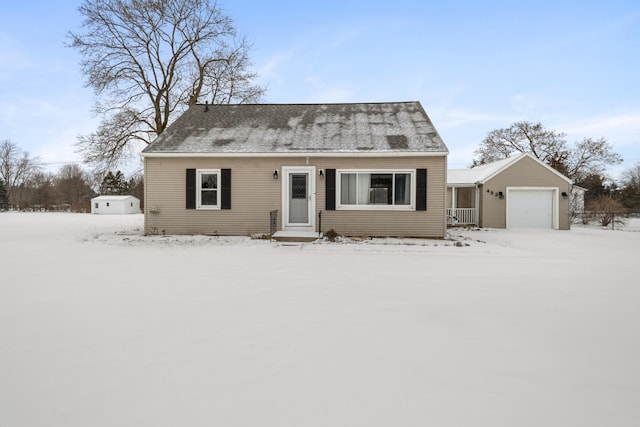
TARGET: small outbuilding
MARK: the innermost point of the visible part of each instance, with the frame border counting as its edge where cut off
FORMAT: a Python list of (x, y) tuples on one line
[(115, 205)]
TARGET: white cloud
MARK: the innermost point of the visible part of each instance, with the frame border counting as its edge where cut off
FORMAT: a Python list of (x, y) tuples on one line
[(537, 107), (13, 58), (8, 113), (56, 144), (622, 131), (319, 90), (625, 127), (460, 157), (269, 69), (455, 118), (341, 36)]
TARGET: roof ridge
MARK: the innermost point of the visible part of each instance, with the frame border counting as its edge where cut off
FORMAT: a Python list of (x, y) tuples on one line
[(308, 103)]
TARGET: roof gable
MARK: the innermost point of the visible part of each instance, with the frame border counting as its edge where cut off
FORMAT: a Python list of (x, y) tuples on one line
[(483, 173), (477, 173), (301, 128)]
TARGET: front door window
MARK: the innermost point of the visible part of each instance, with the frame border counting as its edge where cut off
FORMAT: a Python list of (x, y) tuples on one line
[(298, 198)]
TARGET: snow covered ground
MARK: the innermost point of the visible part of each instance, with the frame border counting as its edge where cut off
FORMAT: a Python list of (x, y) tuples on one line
[(101, 326)]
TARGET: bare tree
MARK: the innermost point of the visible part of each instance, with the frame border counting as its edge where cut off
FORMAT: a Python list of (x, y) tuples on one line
[(521, 137), (630, 193), (147, 60), (589, 156), (631, 178), (16, 168), (39, 191), (73, 188), (604, 209)]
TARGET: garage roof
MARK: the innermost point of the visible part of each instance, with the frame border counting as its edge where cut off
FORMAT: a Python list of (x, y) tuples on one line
[(481, 174)]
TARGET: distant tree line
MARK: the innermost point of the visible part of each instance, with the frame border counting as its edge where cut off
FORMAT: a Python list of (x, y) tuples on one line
[(24, 185)]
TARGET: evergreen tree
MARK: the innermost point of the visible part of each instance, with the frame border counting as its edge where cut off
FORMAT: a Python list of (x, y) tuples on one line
[(114, 184), (4, 198), (596, 185), (136, 188)]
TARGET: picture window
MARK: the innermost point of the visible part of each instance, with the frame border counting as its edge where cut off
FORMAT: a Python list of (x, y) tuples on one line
[(375, 189)]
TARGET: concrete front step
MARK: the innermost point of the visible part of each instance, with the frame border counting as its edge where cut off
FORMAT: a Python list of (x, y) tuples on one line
[(296, 236)]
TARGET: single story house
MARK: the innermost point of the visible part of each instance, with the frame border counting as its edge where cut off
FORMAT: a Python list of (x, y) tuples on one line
[(363, 169), (115, 205), (516, 192)]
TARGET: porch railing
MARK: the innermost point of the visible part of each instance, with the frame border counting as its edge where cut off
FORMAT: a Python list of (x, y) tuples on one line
[(462, 216)]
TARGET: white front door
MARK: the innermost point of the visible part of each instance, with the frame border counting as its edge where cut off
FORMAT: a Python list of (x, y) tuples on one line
[(298, 198)]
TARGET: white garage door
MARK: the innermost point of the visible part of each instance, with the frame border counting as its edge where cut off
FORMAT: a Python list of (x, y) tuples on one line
[(530, 208)]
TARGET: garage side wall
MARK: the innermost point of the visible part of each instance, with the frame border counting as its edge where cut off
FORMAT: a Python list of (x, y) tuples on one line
[(254, 193), (524, 173)]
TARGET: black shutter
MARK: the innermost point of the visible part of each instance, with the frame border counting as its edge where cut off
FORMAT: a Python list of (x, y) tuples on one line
[(225, 197), (330, 190), (421, 189), (191, 189)]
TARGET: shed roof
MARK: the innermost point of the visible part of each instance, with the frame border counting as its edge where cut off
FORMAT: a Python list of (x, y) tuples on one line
[(301, 128), (481, 174), (113, 197)]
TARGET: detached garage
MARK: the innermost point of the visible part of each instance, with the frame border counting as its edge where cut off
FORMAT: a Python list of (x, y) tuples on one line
[(517, 192), (115, 205)]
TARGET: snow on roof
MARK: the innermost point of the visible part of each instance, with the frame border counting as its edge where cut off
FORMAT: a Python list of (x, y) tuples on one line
[(480, 174), (388, 127), (113, 197)]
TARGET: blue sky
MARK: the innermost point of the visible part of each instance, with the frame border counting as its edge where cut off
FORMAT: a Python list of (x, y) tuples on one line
[(474, 66)]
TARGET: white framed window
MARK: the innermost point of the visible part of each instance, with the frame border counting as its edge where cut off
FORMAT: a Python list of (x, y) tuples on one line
[(208, 189), (376, 189)]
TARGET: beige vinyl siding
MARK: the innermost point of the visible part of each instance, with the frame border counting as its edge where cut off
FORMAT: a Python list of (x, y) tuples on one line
[(523, 173), (429, 223), (254, 193)]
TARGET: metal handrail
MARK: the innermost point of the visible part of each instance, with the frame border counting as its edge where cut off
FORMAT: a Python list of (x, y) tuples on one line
[(273, 223)]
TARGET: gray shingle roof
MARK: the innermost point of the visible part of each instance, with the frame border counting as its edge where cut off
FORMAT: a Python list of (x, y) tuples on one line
[(301, 128)]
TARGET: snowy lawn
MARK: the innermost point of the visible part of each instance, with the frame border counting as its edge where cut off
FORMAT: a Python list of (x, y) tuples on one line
[(101, 326)]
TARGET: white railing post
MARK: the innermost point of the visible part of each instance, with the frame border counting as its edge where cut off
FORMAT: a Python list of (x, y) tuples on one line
[(465, 216)]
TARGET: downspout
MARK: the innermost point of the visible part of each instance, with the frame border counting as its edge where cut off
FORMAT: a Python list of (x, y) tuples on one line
[(477, 204)]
